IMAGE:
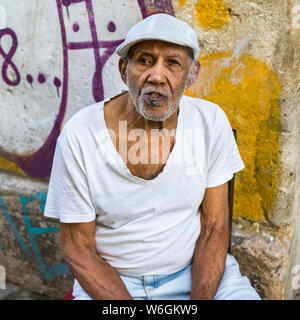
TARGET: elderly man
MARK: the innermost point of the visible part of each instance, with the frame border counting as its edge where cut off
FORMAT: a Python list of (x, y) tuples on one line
[(140, 181)]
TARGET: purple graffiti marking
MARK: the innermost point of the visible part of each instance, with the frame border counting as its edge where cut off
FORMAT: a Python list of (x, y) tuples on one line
[(75, 26), (41, 78), (149, 7), (67, 3), (111, 26), (57, 84), (8, 58), (39, 163), (96, 45), (29, 79)]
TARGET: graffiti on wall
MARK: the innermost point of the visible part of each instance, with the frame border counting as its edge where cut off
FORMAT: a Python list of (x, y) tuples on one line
[(39, 163), (47, 272)]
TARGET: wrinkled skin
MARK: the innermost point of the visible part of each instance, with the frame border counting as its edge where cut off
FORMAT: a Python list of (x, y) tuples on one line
[(160, 70)]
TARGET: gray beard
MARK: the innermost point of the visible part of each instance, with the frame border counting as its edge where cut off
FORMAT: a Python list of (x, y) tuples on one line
[(140, 107)]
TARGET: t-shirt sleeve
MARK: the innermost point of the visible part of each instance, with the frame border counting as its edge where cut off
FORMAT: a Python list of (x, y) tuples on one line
[(68, 197), (224, 156)]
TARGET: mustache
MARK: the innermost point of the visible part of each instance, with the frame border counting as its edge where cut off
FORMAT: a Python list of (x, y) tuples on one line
[(147, 91)]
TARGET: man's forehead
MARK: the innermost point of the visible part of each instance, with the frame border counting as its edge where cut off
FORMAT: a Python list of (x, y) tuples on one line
[(158, 46)]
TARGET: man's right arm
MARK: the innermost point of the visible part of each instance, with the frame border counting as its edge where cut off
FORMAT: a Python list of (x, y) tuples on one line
[(98, 278)]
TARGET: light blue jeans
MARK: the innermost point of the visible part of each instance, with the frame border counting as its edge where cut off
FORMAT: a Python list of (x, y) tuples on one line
[(177, 286)]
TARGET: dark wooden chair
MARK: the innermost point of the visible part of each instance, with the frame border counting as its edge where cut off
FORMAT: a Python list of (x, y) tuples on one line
[(230, 201)]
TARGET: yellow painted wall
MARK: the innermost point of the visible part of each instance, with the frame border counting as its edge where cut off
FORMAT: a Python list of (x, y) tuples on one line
[(211, 13), (248, 91), (10, 166)]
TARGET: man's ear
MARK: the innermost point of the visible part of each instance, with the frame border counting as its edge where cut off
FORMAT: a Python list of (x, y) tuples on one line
[(122, 69), (193, 73)]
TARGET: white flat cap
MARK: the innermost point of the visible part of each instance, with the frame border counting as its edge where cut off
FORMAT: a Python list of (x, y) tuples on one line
[(162, 27)]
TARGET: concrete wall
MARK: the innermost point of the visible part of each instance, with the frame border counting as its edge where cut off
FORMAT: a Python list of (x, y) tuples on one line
[(57, 56)]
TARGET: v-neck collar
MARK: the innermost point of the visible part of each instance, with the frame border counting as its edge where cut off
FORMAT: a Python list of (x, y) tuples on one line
[(123, 169)]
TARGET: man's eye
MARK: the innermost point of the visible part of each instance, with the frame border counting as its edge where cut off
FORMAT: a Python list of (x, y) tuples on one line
[(144, 60), (173, 62)]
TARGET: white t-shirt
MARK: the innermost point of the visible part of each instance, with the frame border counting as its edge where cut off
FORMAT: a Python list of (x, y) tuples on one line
[(143, 227)]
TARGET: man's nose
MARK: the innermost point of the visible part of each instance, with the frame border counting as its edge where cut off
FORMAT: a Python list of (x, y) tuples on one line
[(157, 73)]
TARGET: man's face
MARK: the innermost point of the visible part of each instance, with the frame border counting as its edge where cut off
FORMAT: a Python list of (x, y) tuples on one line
[(157, 71)]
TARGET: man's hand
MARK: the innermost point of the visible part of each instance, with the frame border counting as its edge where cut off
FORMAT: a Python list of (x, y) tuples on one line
[(212, 245), (100, 280)]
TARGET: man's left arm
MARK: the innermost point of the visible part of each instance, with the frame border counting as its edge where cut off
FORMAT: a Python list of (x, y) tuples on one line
[(212, 244)]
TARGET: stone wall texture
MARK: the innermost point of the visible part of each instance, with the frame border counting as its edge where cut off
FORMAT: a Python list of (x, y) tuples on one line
[(58, 56)]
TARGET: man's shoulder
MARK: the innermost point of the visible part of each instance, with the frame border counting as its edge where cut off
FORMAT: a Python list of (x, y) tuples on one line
[(76, 127), (80, 117)]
